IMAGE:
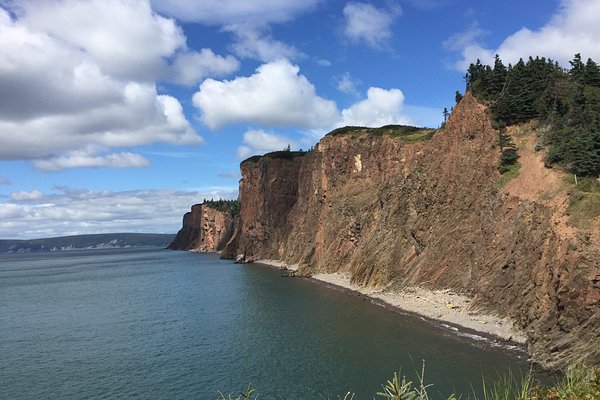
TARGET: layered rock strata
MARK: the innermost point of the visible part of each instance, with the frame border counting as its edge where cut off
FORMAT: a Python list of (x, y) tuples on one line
[(429, 214), (204, 230)]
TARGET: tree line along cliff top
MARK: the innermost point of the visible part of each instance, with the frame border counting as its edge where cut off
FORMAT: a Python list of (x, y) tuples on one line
[(566, 101), (228, 206)]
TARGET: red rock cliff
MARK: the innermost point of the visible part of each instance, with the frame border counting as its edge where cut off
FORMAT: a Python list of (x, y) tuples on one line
[(204, 230), (428, 214)]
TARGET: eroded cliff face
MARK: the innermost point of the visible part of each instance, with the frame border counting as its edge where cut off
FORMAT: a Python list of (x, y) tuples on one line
[(204, 230), (268, 191), (429, 214)]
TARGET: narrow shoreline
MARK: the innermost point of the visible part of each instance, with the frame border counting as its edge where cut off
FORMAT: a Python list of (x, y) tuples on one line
[(440, 307)]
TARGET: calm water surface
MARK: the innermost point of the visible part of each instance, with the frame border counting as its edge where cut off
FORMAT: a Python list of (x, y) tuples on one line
[(155, 324)]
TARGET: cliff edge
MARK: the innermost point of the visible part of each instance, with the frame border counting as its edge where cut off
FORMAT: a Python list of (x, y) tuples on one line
[(205, 229), (391, 213)]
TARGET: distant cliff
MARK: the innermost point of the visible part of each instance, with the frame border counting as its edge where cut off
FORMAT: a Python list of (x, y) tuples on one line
[(393, 211), (205, 229), (84, 242)]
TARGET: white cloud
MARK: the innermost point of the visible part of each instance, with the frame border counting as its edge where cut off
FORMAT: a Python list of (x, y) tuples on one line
[(126, 39), (346, 84), (89, 159), (381, 107), (368, 24), (248, 21), (79, 211), (573, 29), (261, 142), (191, 67), (26, 196), (276, 95), (68, 82), (225, 12), (255, 43)]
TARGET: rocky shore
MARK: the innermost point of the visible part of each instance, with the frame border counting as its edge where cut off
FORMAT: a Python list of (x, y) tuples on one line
[(443, 306)]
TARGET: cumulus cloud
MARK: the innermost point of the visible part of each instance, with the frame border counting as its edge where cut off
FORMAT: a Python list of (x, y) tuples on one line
[(70, 211), (248, 21), (134, 46), (226, 12), (346, 84), (255, 43), (573, 29), (67, 82), (261, 142), (26, 196), (88, 159), (364, 23), (191, 67), (276, 95), (381, 107)]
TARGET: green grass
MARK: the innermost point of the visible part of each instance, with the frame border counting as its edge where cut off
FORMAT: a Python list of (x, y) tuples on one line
[(578, 384), (283, 154), (409, 134), (584, 208), (584, 205), (508, 173), (585, 184)]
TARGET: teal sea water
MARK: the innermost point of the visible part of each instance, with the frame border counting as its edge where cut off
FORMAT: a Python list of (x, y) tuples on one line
[(156, 324)]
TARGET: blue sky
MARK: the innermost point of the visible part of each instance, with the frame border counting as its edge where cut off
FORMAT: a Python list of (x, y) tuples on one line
[(118, 115)]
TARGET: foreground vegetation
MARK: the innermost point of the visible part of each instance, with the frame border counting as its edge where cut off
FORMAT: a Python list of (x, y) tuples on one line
[(578, 384)]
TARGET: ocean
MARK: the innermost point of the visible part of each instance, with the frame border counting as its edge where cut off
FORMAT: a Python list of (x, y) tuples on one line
[(157, 324)]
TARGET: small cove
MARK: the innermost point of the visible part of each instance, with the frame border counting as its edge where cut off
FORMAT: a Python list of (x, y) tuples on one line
[(149, 323)]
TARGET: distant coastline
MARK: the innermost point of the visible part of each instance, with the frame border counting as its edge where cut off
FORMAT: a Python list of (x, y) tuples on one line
[(86, 242)]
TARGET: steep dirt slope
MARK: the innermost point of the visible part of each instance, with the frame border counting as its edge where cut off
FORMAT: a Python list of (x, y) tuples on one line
[(204, 230), (429, 214)]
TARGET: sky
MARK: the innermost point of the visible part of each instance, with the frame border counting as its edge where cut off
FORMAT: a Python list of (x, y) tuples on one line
[(118, 115)]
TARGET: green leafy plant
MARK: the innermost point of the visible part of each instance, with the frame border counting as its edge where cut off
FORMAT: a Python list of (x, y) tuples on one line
[(401, 389), (246, 395)]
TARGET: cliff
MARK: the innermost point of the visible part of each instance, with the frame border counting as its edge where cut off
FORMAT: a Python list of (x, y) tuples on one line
[(204, 229), (392, 213)]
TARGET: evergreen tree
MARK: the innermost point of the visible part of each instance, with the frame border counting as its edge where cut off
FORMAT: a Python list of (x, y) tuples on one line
[(498, 77), (458, 97), (567, 100), (508, 148), (577, 69), (591, 75), (446, 114)]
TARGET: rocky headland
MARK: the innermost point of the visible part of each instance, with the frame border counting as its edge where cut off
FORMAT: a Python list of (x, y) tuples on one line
[(205, 229), (394, 214)]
